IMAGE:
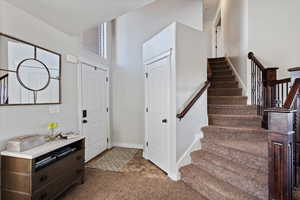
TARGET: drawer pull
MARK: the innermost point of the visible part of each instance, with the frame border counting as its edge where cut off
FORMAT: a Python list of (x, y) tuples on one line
[(78, 157), (44, 196), (43, 178)]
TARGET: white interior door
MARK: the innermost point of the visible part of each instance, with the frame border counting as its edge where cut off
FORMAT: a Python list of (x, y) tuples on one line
[(219, 42), (158, 104), (94, 93)]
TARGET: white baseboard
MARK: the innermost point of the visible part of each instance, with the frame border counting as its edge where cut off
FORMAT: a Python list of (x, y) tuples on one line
[(126, 145), (186, 159), (241, 82)]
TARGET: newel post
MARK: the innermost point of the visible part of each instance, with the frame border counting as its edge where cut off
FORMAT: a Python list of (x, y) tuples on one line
[(295, 73), (269, 75), (280, 144)]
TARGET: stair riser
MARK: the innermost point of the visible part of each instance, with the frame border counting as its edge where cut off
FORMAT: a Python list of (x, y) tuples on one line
[(235, 122), (217, 59), (225, 92), (209, 190), (203, 189), (227, 101), (219, 68), (231, 111), (224, 85), (222, 72), (240, 157), (223, 78), (237, 180), (234, 136)]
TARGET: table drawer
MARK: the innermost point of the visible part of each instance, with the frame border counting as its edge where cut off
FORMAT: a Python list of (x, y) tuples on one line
[(57, 187), (57, 169)]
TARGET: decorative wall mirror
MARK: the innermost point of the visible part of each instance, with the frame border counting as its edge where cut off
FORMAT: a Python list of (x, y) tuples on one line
[(29, 74)]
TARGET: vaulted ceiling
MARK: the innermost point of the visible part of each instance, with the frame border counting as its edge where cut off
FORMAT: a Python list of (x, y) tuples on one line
[(75, 16)]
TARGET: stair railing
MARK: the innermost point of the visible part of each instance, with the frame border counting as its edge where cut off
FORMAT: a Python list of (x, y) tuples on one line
[(279, 91), (278, 101), (263, 81), (4, 89)]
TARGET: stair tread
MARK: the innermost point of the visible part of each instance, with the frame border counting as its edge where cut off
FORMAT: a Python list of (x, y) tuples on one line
[(224, 89), (243, 97), (235, 168), (193, 174), (224, 82), (223, 75), (236, 128), (232, 106), (229, 133), (254, 146), (245, 178), (223, 70), (235, 116)]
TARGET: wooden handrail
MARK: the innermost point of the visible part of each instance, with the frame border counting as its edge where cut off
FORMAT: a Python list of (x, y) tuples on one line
[(292, 94), (3, 77), (256, 61), (286, 80), (209, 71), (193, 101)]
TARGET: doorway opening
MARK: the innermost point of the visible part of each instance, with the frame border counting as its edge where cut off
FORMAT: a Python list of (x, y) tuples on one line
[(218, 37)]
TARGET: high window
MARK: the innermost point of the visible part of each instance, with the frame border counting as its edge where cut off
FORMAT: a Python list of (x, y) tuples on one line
[(102, 30)]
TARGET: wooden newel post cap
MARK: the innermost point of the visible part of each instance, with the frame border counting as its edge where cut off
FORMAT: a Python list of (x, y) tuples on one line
[(281, 120)]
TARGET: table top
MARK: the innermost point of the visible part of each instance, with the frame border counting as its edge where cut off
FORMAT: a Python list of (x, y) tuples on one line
[(42, 149)]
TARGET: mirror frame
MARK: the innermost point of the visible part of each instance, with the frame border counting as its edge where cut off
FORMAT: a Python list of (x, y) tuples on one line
[(35, 52)]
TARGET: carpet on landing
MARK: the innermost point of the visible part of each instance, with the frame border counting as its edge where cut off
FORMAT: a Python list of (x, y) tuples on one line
[(138, 180), (103, 185)]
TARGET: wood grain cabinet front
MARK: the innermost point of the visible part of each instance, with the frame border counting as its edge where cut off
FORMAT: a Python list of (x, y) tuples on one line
[(22, 181)]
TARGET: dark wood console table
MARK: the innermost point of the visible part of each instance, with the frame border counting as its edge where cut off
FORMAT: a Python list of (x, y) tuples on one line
[(44, 172)]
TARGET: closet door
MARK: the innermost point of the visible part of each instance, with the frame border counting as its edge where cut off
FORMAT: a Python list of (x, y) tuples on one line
[(158, 103)]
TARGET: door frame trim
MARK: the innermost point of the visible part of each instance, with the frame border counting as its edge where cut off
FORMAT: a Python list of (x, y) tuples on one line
[(79, 89), (217, 19)]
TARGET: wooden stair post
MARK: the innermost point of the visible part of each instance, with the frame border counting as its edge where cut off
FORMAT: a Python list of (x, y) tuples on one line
[(295, 74), (269, 75), (281, 136)]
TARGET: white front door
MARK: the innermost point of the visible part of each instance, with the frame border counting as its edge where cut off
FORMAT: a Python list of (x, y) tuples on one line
[(94, 91), (158, 104)]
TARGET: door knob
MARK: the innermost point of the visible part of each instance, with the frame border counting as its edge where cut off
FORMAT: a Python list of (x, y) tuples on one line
[(164, 121), (84, 121)]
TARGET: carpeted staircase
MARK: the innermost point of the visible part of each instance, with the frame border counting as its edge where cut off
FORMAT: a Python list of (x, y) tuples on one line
[(233, 162)]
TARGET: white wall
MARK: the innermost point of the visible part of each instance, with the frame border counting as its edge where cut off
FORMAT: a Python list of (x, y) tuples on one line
[(21, 120), (89, 43), (130, 32), (234, 15), (274, 28), (191, 74)]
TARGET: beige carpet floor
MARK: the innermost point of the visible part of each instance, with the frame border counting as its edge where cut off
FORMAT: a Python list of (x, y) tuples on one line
[(296, 194), (101, 185), (139, 180)]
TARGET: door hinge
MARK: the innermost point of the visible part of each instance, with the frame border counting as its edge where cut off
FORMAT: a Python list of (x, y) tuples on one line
[(147, 75), (106, 79), (107, 140), (107, 109), (147, 144), (147, 110)]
